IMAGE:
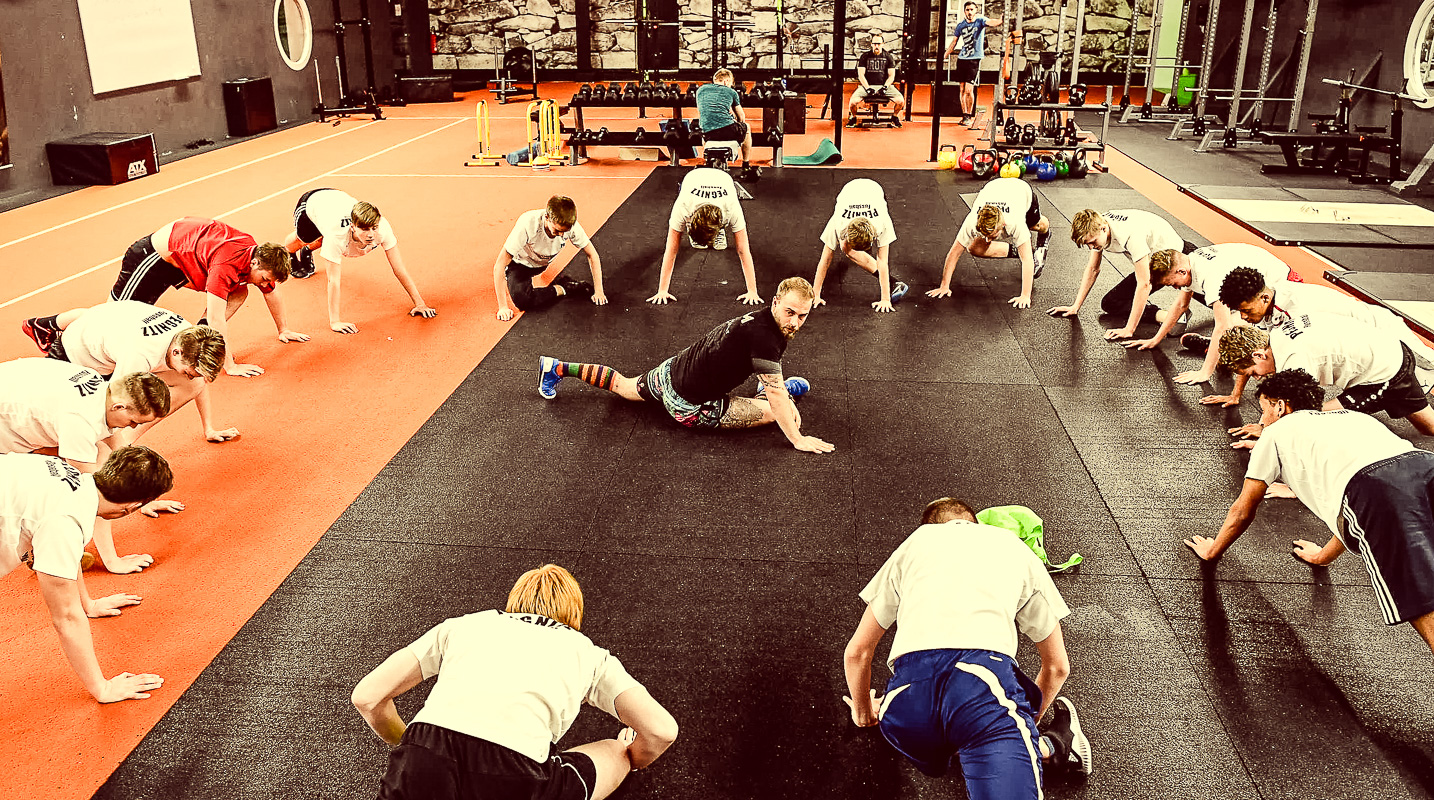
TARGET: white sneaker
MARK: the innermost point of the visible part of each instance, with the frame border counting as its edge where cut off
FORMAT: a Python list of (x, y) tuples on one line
[(695, 245), (720, 243), (1164, 314), (1039, 257)]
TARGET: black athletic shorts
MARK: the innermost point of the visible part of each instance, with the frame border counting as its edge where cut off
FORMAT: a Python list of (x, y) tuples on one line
[(1400, 396), (1188, 248), (1033, 214), (434, 763), (735, 132), (968, 70), (1387, 521), (144, 276), (304, 227)]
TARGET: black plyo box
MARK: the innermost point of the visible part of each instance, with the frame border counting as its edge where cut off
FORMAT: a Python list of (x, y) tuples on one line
[(104, 158), (249, 106), (431, 89)]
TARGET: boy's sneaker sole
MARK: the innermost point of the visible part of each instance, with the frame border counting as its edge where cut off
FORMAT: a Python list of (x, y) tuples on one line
[(899, 291), (1195, 343), (548, 378), (1079, 758)]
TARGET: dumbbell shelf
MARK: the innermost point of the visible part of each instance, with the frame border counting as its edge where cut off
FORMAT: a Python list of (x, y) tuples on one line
[(654, 138), (999, 144)]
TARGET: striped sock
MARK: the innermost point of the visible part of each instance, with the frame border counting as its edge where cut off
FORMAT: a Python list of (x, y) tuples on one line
[(595, 374)]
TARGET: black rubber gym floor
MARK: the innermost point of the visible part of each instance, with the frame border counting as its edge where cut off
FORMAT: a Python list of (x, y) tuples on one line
[(723, 569)]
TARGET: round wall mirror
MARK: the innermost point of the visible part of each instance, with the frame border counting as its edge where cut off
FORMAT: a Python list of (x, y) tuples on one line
[(294, 31)]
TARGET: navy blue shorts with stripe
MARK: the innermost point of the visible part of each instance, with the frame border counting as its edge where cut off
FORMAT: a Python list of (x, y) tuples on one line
[(144, 276), (1388, 516), (975, 705)]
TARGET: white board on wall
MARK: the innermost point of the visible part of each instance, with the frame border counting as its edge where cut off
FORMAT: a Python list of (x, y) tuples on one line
[(138, 42)]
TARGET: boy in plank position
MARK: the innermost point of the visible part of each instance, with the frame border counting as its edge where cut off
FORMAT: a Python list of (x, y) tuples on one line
[(537, 238), (958, 592), (334, 224), (206, 256), (861, 228), (1199, 275), (126, 336), (48, 513), (490, 726), (70, 411), (1136, 234), (706, 205), (1370, 369), (1370, 487), (1003, 216), (694, 386)]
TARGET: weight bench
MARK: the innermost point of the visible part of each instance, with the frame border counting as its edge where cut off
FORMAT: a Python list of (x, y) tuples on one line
[(718, 154), (872, 113), (1330, 153)]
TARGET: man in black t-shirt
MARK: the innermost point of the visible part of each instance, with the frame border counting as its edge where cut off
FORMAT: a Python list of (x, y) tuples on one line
[(694, 386), (876, 69)]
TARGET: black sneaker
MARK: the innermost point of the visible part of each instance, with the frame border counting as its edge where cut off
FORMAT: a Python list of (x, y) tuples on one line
[(42, 336), (301, 264), (896, 120), (1195, 343), (575, 287), (1071, 746), (851, 122)]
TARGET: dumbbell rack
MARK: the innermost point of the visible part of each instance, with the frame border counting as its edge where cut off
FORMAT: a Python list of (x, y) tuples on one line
[(655, 138), (1048, 143)]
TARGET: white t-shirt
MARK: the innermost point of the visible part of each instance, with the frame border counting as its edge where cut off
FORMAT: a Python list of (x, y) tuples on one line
[(1138, 233), (332, 212), (530, 245), (1013, 197), (862, 197), (517, 680), (707, 186), (122, 337), (48, 507), (1317, 452), (1338, 351), (1297, 299), (963, 585), (49, 403), (1209, 266)]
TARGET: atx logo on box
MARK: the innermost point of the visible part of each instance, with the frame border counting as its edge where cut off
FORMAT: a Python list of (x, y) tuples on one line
[(137, 169)]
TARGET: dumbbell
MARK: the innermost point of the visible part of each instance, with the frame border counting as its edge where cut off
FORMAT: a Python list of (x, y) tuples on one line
[(1028, 134), (597, 136), (1072, 134), (691, 92), (774, 136), (585, 92), (674, 135), (629, 93), (639, 136)]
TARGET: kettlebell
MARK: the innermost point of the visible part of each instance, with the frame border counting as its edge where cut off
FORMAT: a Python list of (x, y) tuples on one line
[(1028, 135), (947, 158), (1063, 165), (1078, 93), (1046, 169), (966, 161), (1032, 164), (983, 164), (1079, 167), (1013, 130), (1010, 169), (1013, 93)]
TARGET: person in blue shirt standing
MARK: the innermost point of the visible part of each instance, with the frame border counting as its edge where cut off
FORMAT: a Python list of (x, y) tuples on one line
[(970, 36), (719, 112)]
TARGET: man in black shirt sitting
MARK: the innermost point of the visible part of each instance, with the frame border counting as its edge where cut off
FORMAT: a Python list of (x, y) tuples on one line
[(694, 386), (876, 69)]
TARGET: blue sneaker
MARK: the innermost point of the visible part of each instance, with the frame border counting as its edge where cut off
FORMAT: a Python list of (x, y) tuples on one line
[(796, 387), (549, 377), (899, 291)]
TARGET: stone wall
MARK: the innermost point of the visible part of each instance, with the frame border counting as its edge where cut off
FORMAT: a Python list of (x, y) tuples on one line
[(473, 34)]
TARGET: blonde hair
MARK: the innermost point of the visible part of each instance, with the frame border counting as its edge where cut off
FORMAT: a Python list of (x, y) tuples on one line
[(988, 221), (1161, 263), (562, 210), (801, 286), (860, 233), (945, 509), (143, 392), (704, 224), (1238, 346), (365, 215), (202, 347), (1084, 224), (550, 591), (274, 259), (721, 75)]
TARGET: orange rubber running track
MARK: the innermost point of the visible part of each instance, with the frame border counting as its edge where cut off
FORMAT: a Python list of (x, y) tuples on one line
[(328, 414)]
